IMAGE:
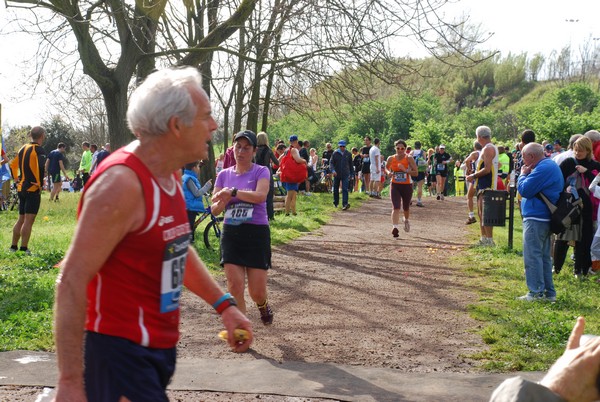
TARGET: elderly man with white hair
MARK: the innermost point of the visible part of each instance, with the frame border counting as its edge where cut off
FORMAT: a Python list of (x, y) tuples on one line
[(538, 175), (485, 178), (117, 303)]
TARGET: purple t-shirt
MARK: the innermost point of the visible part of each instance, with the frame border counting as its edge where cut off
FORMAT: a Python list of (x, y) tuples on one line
[(238, 211)]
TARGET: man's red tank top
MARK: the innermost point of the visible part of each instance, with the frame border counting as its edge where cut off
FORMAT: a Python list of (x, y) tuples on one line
[(135, 295)]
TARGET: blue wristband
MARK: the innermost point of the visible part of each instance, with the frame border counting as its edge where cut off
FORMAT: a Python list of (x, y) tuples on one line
[(221, 300)]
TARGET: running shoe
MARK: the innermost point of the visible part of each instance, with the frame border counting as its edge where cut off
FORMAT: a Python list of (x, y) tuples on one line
[(406, 226), (266, 314), (395, 232), (345, 207), (471, 220), (438, 198), (420, 204), (442, 197)]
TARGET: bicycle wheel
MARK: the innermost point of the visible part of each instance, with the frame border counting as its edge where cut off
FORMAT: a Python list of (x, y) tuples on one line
[(212, 234), (14, 201)]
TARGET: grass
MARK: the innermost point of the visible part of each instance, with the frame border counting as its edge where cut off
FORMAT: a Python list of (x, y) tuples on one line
[(27, 282), (519, 335)]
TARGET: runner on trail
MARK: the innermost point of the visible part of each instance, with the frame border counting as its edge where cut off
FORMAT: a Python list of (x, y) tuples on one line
[(241, 191), (431, 185), (366, 164), (117, 295), (442, 160), (420, 158), (402, 168)]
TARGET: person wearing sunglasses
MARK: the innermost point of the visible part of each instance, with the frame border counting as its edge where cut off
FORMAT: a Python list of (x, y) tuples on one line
[(402, 168)]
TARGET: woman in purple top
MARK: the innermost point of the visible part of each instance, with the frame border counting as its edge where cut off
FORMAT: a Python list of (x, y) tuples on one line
[(241, 192)]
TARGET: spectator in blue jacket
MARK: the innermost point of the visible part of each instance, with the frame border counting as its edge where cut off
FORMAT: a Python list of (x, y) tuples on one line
[(341, 169), (193, 192), (538, 175)]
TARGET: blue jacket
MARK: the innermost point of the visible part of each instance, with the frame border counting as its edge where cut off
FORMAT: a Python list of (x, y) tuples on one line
[(192, 203), (545, 177)]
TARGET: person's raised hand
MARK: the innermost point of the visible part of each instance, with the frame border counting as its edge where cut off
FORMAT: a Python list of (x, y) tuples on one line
[(574, 375)]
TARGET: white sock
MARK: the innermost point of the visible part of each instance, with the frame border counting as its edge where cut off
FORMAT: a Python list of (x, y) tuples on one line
[(471, 214), (395, 226)]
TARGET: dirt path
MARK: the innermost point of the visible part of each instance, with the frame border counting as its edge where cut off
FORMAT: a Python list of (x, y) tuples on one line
[(350, 293)]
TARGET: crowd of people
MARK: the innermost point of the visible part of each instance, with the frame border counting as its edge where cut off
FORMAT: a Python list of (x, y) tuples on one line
[(117, 305)]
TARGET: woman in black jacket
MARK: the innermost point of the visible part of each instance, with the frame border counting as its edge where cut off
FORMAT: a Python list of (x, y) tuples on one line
[(579, 171), (264, 157)]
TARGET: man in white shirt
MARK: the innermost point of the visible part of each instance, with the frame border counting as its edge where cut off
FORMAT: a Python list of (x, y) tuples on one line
[(559, 158), (375, 158)]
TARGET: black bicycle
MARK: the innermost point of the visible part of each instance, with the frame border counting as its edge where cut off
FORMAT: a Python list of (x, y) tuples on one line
[(13, 198), (212, 231)]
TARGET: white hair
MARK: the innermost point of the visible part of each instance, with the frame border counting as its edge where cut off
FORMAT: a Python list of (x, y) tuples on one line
[(483, 132), (534, 149), (593, 135), (162, 95)]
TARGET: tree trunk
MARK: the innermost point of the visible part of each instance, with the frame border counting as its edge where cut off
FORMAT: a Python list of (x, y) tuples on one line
[(115, 101), (208, 171)]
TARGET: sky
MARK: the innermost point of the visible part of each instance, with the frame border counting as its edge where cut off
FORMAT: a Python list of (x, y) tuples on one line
[(532, 26)]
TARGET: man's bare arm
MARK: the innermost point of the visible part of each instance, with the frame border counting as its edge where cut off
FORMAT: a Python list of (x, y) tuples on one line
[(113, 206)]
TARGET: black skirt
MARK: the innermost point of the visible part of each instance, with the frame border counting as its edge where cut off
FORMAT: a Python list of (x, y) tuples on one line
[(246, 245)]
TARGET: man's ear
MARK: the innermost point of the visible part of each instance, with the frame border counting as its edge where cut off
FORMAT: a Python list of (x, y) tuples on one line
[(174, 125)]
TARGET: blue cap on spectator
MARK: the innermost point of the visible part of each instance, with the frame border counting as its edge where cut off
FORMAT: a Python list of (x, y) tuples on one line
[(293, 138), (549, 147), (342, 143)]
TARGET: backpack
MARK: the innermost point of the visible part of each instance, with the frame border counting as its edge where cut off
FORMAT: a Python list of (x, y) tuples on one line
[(292, 171), (565, 213), (420, 161)]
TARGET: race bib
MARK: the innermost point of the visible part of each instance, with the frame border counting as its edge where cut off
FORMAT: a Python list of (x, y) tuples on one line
[(173, 268), (441, 166), (400, 176), (239, 213), (366, 160)]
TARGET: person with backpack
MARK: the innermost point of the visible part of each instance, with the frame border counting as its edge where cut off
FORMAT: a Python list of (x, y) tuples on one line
[(289, 167), (579, 172), (538, 175), (420, 158)]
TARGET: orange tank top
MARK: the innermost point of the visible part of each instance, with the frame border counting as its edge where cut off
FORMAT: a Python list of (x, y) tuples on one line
[(399, 177)]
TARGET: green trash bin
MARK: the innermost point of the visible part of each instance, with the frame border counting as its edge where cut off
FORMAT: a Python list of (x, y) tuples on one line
[(494, 207)]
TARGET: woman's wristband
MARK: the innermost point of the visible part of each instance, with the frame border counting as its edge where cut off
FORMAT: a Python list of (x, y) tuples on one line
[(224, 302)]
